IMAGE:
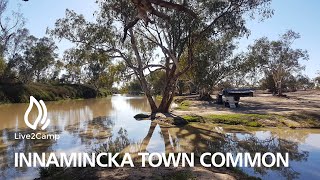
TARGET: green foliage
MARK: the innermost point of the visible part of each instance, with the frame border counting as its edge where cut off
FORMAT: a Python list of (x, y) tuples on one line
[(317, 81), (157, 82), (268, 83), (12, 32), (2, 66), (38, 55), (304, 82), (20, 93), (278, 58), (102, 92), (174, 31), (215, 62), (133, 87), (184, 105), (182, 86), (93, 67), (290, 83)]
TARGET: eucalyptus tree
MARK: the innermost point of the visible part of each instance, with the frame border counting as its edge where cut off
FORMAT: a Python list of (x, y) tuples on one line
[(153, 35), (157, 81), (304, 82), (12, 36), (38, 55), (74, 60), (215, 61), (278, 58), (91, 67), (12, 30)]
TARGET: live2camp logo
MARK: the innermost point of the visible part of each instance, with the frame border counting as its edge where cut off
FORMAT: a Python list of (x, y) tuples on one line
[(41, 121)]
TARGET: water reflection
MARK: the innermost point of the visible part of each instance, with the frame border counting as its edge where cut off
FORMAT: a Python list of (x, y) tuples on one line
[(9, 146), (88, 125), (213, 139)]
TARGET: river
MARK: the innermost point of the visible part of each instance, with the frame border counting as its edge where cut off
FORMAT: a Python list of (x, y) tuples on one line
[(108, 124)]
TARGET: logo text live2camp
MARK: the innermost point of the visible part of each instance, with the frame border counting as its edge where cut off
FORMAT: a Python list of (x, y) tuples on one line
[(33, 136)]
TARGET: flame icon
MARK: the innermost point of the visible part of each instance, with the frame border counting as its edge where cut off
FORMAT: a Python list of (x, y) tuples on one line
[(42, 114)]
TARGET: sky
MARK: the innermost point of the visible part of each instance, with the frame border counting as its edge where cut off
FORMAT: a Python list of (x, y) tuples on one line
[(301, 16)]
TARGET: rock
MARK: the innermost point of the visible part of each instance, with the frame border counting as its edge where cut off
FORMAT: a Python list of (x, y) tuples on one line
[(179, 121), (141, 116)]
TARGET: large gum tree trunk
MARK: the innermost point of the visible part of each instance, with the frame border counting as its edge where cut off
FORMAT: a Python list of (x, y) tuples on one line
[(140, 74), (152, 103), (167, 96), (280, 88)]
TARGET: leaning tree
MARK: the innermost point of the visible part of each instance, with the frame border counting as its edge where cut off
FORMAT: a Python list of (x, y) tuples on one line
[(153, 35)]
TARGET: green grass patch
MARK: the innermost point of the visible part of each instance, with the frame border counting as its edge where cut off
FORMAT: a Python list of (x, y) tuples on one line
[(239, 119), (102, 92), (184, 105), (254, 124), (193, 118), (260, 120)]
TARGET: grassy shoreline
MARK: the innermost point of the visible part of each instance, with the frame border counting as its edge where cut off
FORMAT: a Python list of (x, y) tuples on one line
[(20, 93), (254, 120), (291, 120)]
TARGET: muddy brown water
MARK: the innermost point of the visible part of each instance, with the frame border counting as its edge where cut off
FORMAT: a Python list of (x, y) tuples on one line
[(108, 125)]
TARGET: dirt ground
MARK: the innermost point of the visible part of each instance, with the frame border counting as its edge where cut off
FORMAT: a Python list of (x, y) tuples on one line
[(306, 102), (160, 173)]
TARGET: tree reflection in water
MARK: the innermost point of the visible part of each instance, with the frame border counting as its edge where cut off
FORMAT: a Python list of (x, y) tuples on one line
[(118, 144), (252, 144), (9, 146), (91, 124), (200, 140), (97, 130), (91, 133)]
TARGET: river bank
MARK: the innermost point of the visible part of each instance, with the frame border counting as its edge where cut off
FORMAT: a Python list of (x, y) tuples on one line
[(20, 93)]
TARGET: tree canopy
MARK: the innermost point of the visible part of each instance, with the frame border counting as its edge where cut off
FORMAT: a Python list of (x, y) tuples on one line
[(278, 58), (166, 37)]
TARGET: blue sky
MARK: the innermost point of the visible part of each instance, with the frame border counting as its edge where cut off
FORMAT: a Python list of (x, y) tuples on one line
[(300, 16)]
